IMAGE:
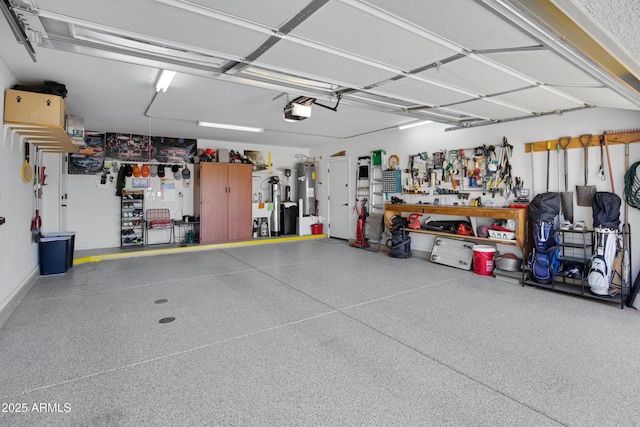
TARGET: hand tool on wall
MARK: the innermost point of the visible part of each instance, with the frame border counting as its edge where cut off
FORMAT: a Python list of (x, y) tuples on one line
[(27, 170), (626, 229), (585, 192), (36, 222), (532, 153), (606, 145), (566, 197), (548, 162), (601, 168)]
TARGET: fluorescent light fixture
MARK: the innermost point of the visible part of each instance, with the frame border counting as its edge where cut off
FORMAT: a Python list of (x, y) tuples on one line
[(230, 127), (164, 81), (414, 124)]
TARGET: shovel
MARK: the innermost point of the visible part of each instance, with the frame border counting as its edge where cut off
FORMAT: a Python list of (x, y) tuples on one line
[(566, 198), (585, 192)]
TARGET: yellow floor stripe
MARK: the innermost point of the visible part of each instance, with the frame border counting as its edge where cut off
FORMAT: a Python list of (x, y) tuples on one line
[(197, 248)]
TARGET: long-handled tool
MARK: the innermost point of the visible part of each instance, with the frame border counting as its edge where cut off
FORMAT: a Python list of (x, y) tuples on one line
[(601, 168), (36, 222), (626, 230), (566, 197), (606, 145), (532, 152), (585, 192), (548, 162)]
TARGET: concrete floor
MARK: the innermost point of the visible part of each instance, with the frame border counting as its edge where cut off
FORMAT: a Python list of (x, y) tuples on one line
[(311, 333)]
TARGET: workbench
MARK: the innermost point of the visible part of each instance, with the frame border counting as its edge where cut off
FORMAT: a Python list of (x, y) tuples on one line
[(520, 215)]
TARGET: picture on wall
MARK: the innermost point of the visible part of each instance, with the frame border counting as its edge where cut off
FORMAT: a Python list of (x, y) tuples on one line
[(126, 146), (173, 150), (145, 148), (89, 159)]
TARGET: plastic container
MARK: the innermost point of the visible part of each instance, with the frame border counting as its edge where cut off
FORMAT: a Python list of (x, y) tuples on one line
[(316, 228), (376, 157), (501, 235), (483, 260), (54, 256), (70, 247)]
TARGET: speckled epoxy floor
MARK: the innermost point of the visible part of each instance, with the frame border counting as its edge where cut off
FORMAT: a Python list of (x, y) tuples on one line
[(310, 333)]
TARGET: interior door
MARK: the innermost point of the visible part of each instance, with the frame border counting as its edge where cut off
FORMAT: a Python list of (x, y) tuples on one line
[(339, 221)]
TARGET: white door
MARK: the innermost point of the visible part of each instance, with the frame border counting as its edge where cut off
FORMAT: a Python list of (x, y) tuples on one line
[(339, 220)]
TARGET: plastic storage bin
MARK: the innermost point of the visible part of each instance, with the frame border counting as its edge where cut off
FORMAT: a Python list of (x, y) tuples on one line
[(70, 247), (54, 256)]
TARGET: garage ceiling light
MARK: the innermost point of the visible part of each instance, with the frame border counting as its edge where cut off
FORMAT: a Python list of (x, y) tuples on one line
[(164, 81), (414, 124), (230, 127)]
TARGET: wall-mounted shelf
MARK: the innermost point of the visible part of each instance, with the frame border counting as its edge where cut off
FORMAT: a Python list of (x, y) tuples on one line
[(48, 138)]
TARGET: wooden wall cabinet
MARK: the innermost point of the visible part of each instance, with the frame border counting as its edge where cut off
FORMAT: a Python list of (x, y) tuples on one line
[(223, 200), (32, 107)]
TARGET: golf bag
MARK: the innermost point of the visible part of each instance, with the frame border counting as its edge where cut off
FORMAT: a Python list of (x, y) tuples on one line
[(544, 260), (606, 220)]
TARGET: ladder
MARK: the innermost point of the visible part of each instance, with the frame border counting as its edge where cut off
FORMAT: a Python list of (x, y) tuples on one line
[(363, 179), (376, 187)]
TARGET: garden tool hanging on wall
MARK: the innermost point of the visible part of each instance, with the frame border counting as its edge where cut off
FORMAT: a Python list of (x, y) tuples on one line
[(566, 197), (585, 192)]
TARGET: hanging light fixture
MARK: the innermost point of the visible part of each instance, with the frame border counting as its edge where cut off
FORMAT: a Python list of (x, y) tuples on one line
[(164, 80), (414, 124), (230, 127)]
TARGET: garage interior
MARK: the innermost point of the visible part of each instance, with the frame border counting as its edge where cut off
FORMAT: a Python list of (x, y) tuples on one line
[(305, 327)]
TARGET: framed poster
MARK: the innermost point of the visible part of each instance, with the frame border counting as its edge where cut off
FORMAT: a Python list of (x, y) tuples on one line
[(89, 160)]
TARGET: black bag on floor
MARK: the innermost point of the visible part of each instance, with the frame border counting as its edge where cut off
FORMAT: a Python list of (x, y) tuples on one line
[(544, 260)]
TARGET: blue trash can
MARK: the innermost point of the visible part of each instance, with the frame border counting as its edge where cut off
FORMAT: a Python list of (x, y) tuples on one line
[(70, 246), (54, 257)]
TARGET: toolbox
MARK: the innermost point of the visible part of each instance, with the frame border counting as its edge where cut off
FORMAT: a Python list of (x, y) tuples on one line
[(452, 252)]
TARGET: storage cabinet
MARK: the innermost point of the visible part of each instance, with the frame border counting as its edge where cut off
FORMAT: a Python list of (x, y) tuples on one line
[(223, 201), (132, 225), (32, 107)]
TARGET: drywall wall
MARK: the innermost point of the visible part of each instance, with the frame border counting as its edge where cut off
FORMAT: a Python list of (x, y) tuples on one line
[(18, 251), (93, 209), (433, 137)]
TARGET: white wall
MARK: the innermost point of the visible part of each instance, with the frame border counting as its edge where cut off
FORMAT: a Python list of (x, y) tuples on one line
[(432, 138), (281, 157), (94, 210), (18, 252)]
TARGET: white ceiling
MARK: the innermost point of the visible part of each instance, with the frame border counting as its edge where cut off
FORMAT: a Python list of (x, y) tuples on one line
[(388, 62)]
